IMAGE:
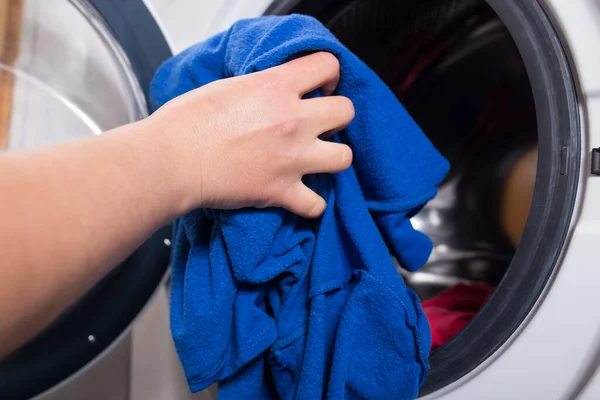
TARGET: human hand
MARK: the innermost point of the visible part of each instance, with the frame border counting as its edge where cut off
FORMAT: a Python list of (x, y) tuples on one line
[(247, 141)]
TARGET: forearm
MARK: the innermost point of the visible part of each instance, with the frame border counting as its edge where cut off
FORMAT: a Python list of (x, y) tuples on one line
[(70, 213)]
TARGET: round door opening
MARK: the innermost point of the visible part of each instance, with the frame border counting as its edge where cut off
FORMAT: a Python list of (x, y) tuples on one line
[(489, 84)]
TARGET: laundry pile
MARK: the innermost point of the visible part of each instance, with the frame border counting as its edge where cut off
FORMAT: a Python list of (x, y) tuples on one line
[(275, 306)]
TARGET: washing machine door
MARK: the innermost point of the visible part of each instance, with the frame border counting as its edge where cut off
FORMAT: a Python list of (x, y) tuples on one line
[(70, 69)]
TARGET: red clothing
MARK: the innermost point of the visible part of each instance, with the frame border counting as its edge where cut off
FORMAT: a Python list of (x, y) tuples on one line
[(450, 311)]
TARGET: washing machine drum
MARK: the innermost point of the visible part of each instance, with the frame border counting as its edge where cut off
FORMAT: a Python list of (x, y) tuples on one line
[(487, 81), (489, 84)]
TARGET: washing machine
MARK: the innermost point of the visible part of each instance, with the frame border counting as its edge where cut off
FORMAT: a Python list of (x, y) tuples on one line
[(508, 90)]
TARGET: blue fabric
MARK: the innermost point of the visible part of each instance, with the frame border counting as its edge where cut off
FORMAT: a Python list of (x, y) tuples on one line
[(274, 306)]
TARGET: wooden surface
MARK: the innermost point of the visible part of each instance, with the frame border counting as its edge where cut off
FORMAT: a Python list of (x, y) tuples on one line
[(11, 12)]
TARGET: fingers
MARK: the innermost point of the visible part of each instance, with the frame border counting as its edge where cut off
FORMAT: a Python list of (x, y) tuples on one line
[(327, 157), (302, 201), (318, 70), (328, 115)]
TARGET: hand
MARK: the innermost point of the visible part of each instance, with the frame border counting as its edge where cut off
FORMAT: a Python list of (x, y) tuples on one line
[(248, 140)]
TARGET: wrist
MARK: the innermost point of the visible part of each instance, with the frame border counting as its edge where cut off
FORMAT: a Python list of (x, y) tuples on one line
[(179, 171)]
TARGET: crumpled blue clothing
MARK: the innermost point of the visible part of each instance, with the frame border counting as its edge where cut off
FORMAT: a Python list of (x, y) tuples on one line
[(274, 306)]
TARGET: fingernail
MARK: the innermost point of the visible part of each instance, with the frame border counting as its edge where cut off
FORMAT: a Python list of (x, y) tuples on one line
[(317, 210), (347, 156)]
